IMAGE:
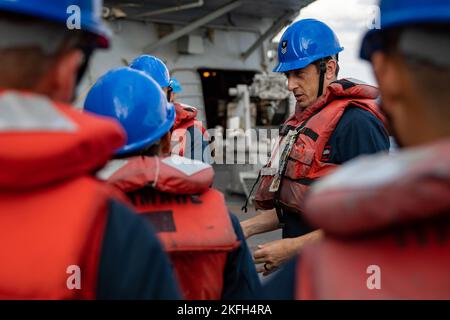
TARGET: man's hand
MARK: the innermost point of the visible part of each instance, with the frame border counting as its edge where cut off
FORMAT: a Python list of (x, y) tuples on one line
[(266, 221), (273, 254)]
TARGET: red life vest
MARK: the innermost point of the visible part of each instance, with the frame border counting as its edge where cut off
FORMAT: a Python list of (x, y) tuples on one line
[(191, 219), (52, 212), (305, 163), (185, 119), (386, 219)]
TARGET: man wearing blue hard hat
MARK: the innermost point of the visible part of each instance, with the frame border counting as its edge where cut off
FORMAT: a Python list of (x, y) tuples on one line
[(334, 121), (189, 137), (176, 88), (206, 244), (65, 234), (386, 219)]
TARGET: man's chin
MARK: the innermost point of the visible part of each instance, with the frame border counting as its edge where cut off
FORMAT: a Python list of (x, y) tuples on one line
[(300, 106)]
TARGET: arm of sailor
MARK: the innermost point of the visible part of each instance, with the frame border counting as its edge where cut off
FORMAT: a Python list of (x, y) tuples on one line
[(265, 221), (273, 254)]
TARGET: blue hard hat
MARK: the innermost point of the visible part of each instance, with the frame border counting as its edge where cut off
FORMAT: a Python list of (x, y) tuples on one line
[(304, 42), (137, 102), (175, 85), (154, 68), (60, 11), (399, 13)]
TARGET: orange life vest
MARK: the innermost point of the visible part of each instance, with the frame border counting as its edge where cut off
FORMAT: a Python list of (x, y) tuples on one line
[(387, 226), (185, 119), (52, 212), (315, 127), (192, 219)]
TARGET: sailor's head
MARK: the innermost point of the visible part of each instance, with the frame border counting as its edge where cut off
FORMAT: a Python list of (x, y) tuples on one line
[(138, 103), (39, 53), (157, 69), (410, 55), (308, 56)]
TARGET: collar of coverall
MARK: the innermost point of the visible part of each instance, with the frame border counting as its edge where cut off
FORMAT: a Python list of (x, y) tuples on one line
[(44, 142), (174, 174), (343, 88), (184, 113), (373, 193)]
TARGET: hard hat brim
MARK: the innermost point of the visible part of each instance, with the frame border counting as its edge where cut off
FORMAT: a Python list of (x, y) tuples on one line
[(302, 63)]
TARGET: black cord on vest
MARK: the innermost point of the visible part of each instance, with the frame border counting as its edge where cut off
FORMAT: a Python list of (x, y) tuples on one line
[(244, 208)]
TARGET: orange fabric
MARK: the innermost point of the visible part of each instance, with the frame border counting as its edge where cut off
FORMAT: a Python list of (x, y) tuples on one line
[(193, 224), (44, 232), (185, 119), (142, 171), (413, 264), (200, 275), (419, 190), (399, 222), (305, 161), (36, 158), (52, 212)]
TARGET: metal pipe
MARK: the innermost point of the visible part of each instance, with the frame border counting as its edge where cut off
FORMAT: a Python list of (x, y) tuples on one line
[(194, 25), (276, 26), (197, 4), (181, 23)]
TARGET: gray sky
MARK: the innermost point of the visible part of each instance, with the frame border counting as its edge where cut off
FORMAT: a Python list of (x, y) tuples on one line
[(349, 19)]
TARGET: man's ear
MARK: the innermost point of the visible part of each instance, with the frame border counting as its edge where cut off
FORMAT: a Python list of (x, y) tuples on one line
[(330, 74), (59, 84)]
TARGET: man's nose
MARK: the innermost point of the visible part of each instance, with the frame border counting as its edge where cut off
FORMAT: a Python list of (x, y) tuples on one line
[(292, 84)]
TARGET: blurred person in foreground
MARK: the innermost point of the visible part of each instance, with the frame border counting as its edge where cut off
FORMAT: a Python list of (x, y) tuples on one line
[(65, 235)]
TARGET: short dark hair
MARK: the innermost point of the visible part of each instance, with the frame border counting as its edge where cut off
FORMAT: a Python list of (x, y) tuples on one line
[(23, 65)]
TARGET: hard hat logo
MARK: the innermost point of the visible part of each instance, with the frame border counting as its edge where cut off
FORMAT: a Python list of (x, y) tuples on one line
[(284, 47), (305, 42), (74, 19)]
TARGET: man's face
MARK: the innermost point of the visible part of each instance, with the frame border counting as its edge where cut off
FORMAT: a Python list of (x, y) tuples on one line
[(400, 102), (304, 84)]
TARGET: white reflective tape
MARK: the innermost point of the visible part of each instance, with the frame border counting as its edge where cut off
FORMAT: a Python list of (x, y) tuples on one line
[(111, 168), (371, 171), (355, 81), (31, 113), (268, 171), (187, 166)]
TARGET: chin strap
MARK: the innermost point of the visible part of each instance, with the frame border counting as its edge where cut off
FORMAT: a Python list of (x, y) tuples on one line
[(169, 93), (323, 70)]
